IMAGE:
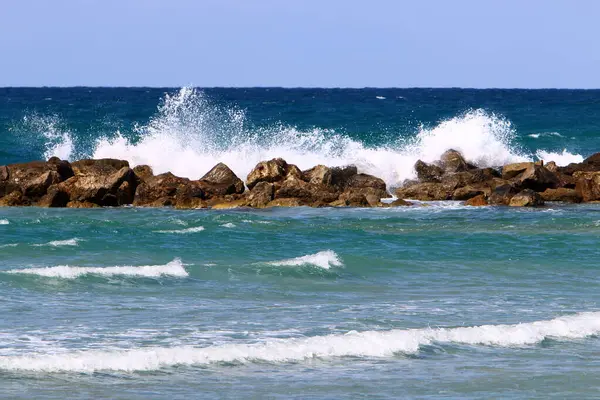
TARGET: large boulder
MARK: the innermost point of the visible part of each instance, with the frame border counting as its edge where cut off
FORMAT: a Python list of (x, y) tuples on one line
[(267, 171), (425, 191), (477, 201), (588, 185), (565, 195), (510, 171), (261, 194), (307, 192), (103, 166), (319, 175), (220, 181), (428, 172), (502, 194), (14, 199), (537, 178), (101, 184), (526, 198), (34, 178), (159, 190), (340, 176), (590, 164), (452, 161)]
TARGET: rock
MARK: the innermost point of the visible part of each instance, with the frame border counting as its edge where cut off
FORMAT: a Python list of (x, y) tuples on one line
[(526, 198), (318, 175), (477, 201), (267, 171), (285, 202), (588, 185), (91, 184), (37, 187), (220, 181), (452, 161), (354, 199), (230, 204), (307, 192), (509, 171), (143, 172), (367, 184), (590, 164), (561, 194), (425, 192), (100, 167), (4, 173), (159, 190), (478, 176), (400, 203), (261, 194), (32, 179), (55, 197), (502, 195), (468, 192), (537, 178), (340, 176), (428, 172), (552, 167), (14, 199), (81, 204)]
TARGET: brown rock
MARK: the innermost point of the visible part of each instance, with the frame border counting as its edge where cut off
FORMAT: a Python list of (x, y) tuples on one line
[(318, 175), (552, 167), (588, 185), (14, 199), (309, 193), (90, 184), (143, 172), (220, 181), (400, 203), (428, 172), (104, 166), (190, 203), (502, 195), (340, 176), (37, 187), (230, 204), (354, 199), (367, 184), (54, 197), (261, 194), (452, 161), (425, 192), (509, 171), (468, 192), (32, 179), (477, 201), (537, 178), (159, 190), (81, 204), (526, 198), (267, 171), (285, 202), (561, 194), (4, 173)]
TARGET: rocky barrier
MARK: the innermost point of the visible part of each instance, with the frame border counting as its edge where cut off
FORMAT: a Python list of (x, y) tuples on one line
[(275, 183)]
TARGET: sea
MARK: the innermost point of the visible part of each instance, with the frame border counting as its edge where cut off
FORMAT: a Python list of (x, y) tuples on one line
[(434, 301)]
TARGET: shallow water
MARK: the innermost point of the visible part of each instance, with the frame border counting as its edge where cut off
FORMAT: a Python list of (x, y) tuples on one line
[(429, 302)]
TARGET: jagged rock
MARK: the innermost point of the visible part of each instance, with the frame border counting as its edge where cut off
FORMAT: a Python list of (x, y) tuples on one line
[(452, 161), (340, 176), (428, 172), (267, 171), (318, 175), (37, 187), (261, 194), (81, 204), (468, 192), (307, 192), (99, 167), (561, 194), (220, 181), (537, 178), (55, 197), (354, 199), (14, 199), (509, 171), (588, 185), (590, 164), (159, 190), (477, 176), (502, 194), (425, 191), (477, 201), (552, 167), (526, 198), (400, 203), (286, 202), (4, 173), (91, 184), (34, 178), (230, 204), (143, 172), (367, 184)]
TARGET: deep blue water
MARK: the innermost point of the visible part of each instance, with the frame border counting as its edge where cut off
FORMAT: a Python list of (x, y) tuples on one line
[(433, 301)]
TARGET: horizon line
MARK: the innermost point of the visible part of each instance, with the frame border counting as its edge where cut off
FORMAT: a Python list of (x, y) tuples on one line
[(294, 87)]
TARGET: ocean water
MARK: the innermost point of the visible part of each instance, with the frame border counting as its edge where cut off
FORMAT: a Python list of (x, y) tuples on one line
[(434, 301)]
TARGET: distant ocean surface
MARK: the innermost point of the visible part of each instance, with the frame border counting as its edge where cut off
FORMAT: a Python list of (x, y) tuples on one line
[(438, 301)]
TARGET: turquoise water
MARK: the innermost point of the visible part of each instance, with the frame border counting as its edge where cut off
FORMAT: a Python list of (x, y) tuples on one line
[(433, 301)]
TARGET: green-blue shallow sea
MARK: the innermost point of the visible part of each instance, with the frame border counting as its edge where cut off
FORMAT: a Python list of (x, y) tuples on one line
[(433, 301)]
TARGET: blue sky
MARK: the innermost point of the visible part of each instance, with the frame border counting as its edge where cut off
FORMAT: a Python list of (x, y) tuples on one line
[(315, 43)]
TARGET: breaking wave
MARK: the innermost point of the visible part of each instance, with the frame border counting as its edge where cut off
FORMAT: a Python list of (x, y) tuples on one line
[(174, 268), (193, 229), (323, 259), (202, 134), (60, 243), (4, 222), (352, 344)]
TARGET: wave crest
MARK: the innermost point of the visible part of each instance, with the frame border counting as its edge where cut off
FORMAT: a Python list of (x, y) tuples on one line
[(323, 259)]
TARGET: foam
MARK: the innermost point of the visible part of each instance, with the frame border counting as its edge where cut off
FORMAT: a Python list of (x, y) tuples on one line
[(8, 245), (323, 259), (562, 159), (193, 229), (203, 134), (174, 268), (4, 222), (228, 225), (353, 344), (544, 134), (60, 243)]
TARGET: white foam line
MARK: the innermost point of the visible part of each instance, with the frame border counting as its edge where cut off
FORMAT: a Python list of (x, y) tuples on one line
[(364, 344), (174, 268), (59, 243), (4, 222), (323, 259), (183, 231)]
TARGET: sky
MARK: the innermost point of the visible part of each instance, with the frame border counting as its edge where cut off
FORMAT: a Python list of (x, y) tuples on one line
[(301, 43)]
